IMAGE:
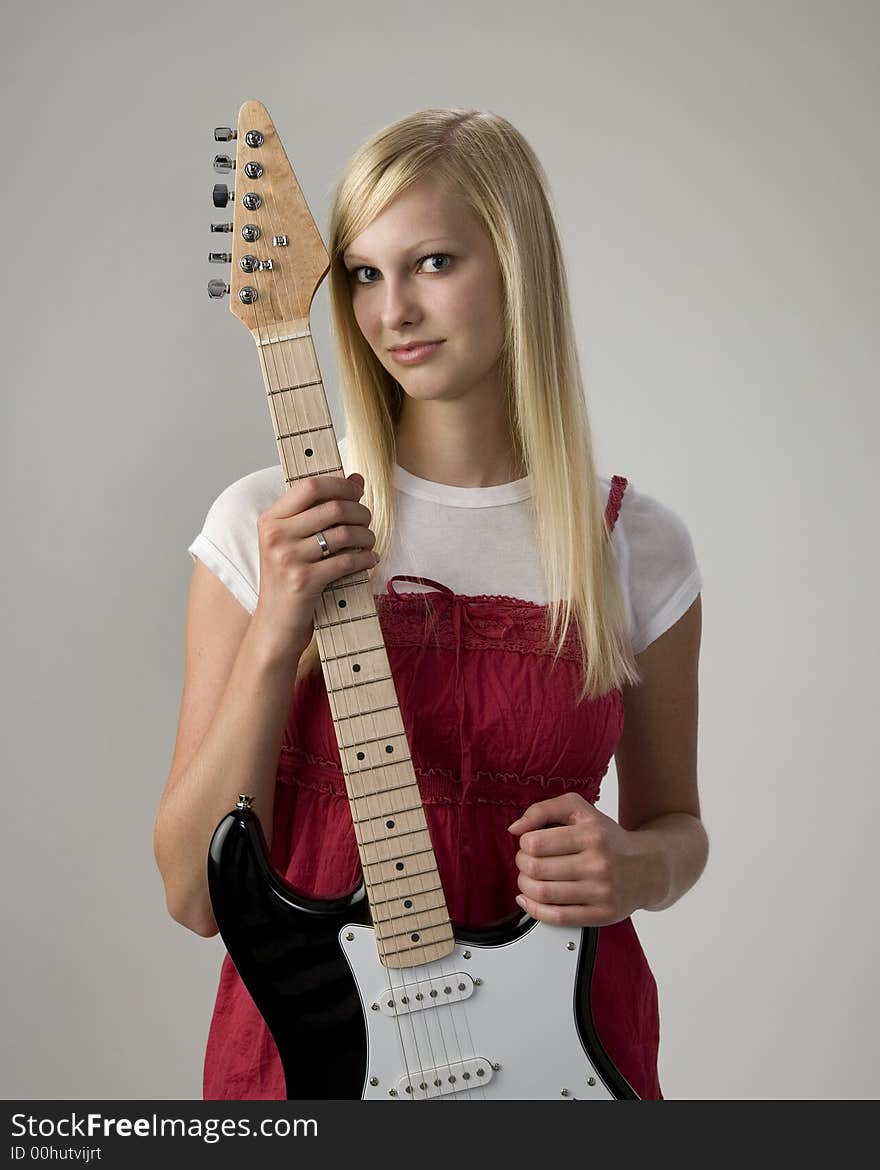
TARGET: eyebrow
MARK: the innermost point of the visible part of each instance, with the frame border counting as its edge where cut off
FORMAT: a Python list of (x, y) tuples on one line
[(346, 256)]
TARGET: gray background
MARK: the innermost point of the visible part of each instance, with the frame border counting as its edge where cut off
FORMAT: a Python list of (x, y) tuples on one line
[(715, 167)]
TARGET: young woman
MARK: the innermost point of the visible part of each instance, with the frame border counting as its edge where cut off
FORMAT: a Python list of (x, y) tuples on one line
[(538, 618)]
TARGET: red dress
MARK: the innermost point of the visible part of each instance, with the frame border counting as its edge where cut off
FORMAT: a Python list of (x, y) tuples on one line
[(492, 729)]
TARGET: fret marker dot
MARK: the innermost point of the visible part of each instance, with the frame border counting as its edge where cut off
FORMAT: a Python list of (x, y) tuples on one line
[(356, 667), (399, 865), (342, 604), (389, 748), (360, 755), (408, 903), (309, 451), (415, 938), (389, 824)]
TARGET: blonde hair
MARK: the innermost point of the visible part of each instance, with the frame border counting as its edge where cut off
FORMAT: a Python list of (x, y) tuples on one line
[(489, 163)]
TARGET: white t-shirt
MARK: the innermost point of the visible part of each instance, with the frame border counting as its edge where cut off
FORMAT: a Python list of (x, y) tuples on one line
[(474, 540)]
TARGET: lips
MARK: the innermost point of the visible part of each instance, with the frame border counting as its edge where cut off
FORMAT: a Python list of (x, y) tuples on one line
[(413, 345), (415, 353)]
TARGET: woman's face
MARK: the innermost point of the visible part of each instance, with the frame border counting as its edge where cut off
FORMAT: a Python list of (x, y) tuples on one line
[(425, 270)]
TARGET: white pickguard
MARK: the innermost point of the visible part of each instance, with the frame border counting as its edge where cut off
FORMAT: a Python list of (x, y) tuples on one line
[(509, 1034)]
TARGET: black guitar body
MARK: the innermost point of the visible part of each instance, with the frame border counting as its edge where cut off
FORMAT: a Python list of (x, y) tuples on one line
[(286, 948)]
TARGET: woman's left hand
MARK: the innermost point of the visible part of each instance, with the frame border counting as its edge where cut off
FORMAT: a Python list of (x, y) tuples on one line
[(585, 870)]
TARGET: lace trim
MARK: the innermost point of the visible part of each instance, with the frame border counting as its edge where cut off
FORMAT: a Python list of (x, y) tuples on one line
[(615, 499), (336, 785), (417, 619)]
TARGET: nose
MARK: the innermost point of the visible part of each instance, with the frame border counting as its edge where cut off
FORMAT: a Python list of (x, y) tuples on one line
[(400, 304)]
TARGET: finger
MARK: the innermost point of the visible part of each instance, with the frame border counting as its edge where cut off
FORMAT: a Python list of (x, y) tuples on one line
[(571, 867), (552, 842), (555, 811), (353, 537), (562, 893), (315, 489), (573, 916)]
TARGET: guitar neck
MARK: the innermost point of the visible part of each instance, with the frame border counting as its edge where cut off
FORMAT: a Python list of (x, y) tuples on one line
[(406, 898)]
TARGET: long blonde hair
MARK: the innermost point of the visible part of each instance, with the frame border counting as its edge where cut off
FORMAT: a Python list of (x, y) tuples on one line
[(501, 180)]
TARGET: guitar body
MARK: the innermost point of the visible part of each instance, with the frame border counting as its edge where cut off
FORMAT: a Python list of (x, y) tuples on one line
[(505, 1015)]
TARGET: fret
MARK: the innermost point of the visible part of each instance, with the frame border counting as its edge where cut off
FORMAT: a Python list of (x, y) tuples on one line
[(348, 654), (380, 791), (284, 337), (377, 834), (417, 928), (345, 582), (308, 474), (425, 908), (406, 894), (372, 711), (296, 386), (439, 933), (397, 857), (376, 767), (344, 621), (398, 878), (392, 812), (362, 683), (307, 431), (393, 839)]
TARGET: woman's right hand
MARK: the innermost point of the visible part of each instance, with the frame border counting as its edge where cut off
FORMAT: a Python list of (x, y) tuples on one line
[(293, 569)]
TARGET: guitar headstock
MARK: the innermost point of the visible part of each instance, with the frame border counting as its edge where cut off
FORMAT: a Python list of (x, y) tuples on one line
[(278, 257)]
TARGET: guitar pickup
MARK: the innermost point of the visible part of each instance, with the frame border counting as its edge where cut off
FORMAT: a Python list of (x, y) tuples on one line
[(425, 993), (450, 1078)]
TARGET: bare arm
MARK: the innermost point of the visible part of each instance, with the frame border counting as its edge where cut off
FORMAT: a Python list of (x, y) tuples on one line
[(236, 699), (239, 678), (656, 760), (578, 866)]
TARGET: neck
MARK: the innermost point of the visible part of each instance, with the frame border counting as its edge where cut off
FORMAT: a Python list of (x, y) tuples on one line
[(435, 442)]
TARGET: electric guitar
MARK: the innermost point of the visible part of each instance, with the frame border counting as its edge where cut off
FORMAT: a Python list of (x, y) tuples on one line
[(374, 995)]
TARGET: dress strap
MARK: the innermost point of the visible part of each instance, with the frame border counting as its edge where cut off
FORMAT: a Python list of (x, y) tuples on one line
[(417, 581), (615, 499)]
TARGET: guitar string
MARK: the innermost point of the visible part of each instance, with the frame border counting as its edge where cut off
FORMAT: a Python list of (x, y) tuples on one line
[(334, 586)]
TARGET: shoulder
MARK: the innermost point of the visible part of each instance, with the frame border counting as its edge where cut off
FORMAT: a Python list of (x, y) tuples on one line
[(657, 562), (228, 543), (246, 498)]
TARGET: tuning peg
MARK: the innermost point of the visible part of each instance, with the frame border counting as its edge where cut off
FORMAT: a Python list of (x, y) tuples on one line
[(219, 257), (217, 289), (224, 134), (223, 163), (222, 195), (221, 227)]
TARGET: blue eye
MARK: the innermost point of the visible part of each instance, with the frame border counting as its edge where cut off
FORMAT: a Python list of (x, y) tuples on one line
[(363, 268), (436, 256), (353, 272)]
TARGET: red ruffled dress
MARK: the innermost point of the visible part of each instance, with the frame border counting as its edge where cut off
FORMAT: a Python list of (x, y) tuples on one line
[(492, 729)]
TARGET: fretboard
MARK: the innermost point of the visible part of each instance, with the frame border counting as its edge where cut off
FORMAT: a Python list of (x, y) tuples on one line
[(399, 867)]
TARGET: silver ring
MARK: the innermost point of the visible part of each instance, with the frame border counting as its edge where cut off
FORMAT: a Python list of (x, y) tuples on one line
[(325, 547)]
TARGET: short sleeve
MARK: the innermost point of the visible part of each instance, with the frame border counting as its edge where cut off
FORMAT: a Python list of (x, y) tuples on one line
[(228, 543), (658, 562)]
